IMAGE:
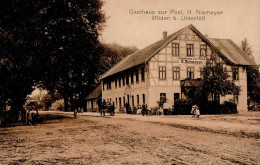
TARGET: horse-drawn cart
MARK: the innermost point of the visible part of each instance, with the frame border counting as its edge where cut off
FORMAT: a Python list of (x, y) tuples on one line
[(107, 109)]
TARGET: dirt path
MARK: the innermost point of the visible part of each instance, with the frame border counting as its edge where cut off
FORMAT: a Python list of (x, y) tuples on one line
[(121, 140)]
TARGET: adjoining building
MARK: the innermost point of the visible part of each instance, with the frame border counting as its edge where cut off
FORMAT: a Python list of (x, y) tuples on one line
[(159, 70), (92, 98)]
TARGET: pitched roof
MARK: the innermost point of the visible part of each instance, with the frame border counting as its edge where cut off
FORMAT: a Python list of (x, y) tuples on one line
[(140, 56), (227, 47), (95, 93)]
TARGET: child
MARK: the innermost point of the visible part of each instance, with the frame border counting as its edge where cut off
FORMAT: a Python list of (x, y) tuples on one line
[(195, 111), (75, 113)]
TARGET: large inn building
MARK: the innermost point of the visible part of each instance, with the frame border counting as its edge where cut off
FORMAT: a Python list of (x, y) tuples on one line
[(160, 69)]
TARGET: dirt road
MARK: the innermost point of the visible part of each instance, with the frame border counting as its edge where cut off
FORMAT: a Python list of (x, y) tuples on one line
[(91, 139)]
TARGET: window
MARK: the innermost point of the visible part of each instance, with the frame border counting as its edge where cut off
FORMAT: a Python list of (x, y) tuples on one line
[(104, 85), (124, 100), (235, 73), (116, 102), (127, 79), (120, 104), (115, 83), (108, 84), (128, 99), (137, 76), (189, 49), (133, 101), (176, 73), (175, 49), (203, 50), (190, 73), (119, 82), (132, 77), (143, 98), (137, 97), (142, 74), (123, 80), (162, 73)]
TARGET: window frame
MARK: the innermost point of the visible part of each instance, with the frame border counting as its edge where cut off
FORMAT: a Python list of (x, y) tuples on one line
[(175, 49), (115, 82), (132, 77), (127, 79), (142, 74), (119, 82), (162, 73), (133, 100), (176, 72), (143, 95), (137, 76), (190, 50), (190, 71), (203, 48), (123, 80), (235, 73)]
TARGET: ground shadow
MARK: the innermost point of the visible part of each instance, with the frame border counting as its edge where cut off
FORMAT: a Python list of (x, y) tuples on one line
[(40, 119)]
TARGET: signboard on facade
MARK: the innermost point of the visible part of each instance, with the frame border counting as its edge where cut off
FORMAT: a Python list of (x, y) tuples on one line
[(191, 60)]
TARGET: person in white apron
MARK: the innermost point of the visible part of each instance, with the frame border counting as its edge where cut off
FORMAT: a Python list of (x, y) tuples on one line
[(195, 111)]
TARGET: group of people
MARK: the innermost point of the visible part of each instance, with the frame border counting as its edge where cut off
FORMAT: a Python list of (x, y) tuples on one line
[(167, 109)]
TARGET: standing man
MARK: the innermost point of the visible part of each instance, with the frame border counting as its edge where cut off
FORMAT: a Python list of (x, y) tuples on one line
[(166, 107)]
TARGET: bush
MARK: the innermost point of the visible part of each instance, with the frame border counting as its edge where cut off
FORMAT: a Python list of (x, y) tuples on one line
[(8, 117), (182, 107), (228, 107), (209, 107)]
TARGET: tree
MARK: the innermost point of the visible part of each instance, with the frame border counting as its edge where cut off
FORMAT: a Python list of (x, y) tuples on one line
[(112, 54), (15, 60), (215, 80), (253, 76), (51, 43), (69, 41), (253, 84), (246, 48)]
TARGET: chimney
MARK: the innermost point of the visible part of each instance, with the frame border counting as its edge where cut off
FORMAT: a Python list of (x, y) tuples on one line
[(206, 35), (164, 35)]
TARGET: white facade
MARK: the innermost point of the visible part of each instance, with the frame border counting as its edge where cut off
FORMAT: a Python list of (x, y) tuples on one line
[(163, 72)]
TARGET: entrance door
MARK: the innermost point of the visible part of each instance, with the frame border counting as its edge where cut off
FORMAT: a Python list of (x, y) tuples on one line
[(176, 96)]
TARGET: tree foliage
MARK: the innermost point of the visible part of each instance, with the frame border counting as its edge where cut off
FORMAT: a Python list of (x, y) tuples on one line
[(253, 75), (215, 81), (15, 60), (253, 84), (246, 48), (112, 54), (52, 43), (69, 37)]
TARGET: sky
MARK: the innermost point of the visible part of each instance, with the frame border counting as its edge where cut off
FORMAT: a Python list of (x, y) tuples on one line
[(228, 19)]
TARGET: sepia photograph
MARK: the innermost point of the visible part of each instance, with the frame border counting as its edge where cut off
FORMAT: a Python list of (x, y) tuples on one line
[(129, 82)]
